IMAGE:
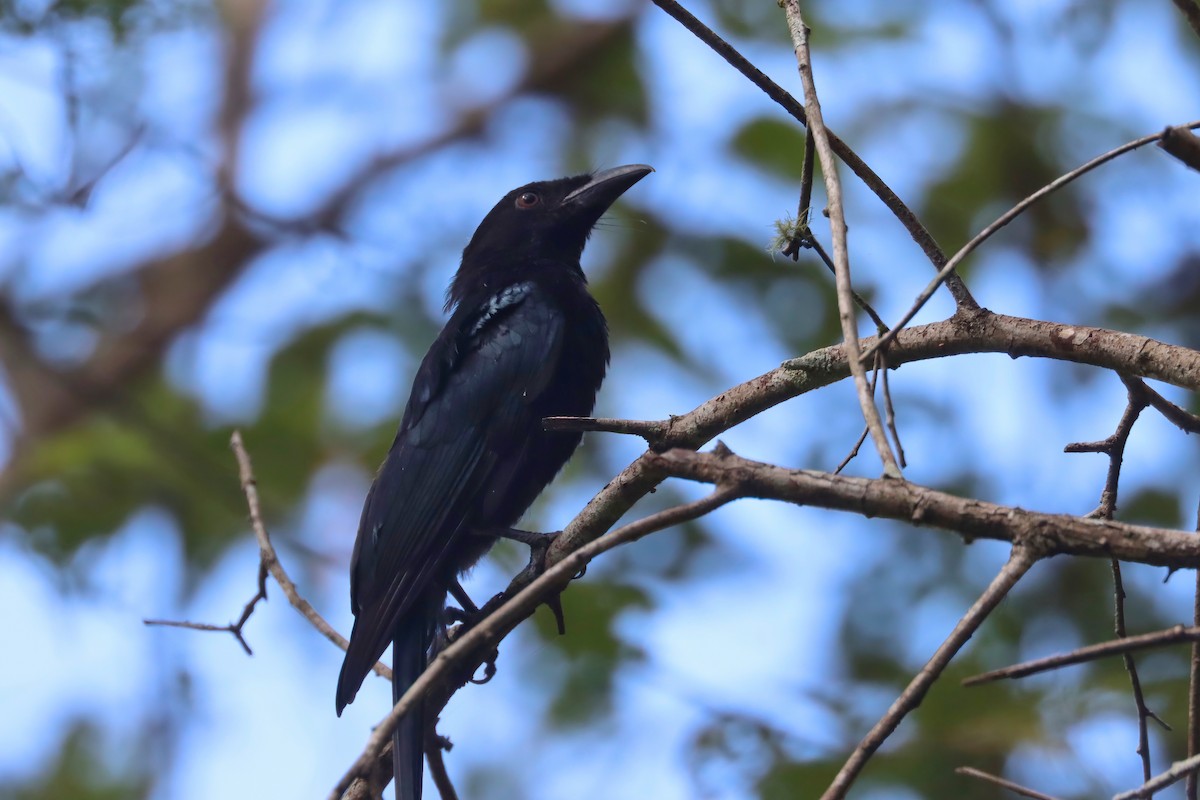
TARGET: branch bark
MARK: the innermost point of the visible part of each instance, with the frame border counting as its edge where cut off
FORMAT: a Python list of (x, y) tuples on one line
[(1048, 534)]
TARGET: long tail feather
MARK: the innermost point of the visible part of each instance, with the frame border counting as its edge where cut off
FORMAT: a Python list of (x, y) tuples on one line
[(409, 649)]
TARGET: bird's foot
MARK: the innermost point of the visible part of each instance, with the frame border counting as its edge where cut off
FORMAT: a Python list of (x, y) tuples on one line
[(464, 619), (539, 546)]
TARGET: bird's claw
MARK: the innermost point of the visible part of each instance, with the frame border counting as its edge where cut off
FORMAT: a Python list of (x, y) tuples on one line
[(489, 669)]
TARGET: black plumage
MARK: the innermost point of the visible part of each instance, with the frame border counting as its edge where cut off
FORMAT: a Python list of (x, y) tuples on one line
[(524, 341)]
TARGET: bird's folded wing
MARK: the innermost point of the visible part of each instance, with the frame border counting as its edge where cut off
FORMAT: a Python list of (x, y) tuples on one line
[(470, 406)]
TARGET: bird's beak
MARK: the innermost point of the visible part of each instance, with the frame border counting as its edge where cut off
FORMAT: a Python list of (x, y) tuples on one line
[(606, 186)]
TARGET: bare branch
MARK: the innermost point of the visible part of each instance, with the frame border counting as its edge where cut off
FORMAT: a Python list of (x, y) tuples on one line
[(270, 560), (435, 746), (1003, 783), (841, 252), (1191, 12), (1081, 655), (653, 431), (890, 199), (492, 628), (1019, 562), (1178, 770), (1144, 714), (1007, 217), (1181, 418), (1052, 534)]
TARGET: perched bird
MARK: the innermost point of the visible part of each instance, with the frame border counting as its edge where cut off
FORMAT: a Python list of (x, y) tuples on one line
[(524, 341)]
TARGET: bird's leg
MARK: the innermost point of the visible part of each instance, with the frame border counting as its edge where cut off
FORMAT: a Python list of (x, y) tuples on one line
[(469, 609), (539, 545), (468, 615)]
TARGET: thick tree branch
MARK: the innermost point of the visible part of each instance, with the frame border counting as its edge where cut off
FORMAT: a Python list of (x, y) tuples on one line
[(1048, 534), (978, 332), (973, 332)]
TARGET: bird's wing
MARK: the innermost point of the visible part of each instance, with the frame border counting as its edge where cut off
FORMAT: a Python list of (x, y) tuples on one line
[(469, 408)]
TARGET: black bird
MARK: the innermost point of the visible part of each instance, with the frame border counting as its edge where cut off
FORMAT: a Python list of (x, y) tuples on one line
[(525, 341)]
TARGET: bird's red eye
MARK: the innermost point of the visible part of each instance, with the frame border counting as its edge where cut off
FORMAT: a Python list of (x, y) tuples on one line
[(528, 200)]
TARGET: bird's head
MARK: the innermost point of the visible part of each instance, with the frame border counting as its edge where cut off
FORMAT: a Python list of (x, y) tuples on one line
[(546, 220)]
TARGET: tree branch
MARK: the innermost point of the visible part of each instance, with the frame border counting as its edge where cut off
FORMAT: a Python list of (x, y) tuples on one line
[(841, 251), (1008, 216), (971, 332), (1022, 558), (1178, 770), (1003, 783), (924, 240), (1048, 534), (483, 636), (1081, 655), (1191, 12), (270, 560)]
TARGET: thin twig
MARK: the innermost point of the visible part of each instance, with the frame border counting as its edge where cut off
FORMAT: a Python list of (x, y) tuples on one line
[(1019, 562), (1181, 418), (435, 746), (1004, 219), (841, 253), (1135, 682), (962, 297), (653, 431), (1091, 652), (889, 410), (1177, 771), (1004, 783), (495, 625), (1114, 448), (234, 628), (862, 437), (270, 560), (804, 207), (812, 243)]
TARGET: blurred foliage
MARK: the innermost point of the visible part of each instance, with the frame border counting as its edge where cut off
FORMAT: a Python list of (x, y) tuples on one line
[(774, 145), (80, 774), (1005, 159), (154, 446)]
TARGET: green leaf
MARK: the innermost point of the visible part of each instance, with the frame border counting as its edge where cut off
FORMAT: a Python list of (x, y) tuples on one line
[(776, 146)]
